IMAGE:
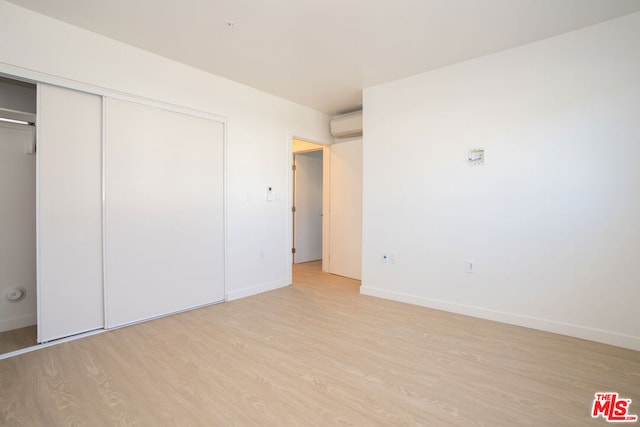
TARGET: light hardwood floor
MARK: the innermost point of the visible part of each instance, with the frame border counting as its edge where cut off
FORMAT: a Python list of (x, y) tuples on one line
[(17, 339), (316, 354)]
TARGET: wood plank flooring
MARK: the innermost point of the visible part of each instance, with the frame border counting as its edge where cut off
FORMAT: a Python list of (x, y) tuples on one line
[(316, 354), (18, 339)]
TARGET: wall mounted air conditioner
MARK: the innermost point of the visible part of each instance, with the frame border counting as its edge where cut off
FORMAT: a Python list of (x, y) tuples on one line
[(347, 125)]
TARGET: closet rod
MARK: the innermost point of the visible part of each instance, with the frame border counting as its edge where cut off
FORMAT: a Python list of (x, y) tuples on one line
[(15, 116), (16, 122)]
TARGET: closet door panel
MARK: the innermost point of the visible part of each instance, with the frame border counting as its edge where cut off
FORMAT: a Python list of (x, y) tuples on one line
[(70, 292), (164, 225)]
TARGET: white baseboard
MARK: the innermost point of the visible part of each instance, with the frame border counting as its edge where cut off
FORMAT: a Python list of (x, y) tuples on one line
[(247, 292), (577, 331), (18, 322)]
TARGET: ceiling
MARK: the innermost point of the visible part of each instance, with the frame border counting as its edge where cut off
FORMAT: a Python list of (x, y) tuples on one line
[(322, 53)]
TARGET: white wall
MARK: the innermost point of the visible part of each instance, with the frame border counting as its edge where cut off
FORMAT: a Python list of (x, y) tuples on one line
[(259, 129), (550, 220)]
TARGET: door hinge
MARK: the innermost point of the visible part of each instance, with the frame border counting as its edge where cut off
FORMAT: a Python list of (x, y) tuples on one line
[(293, 250), (293, 167), (293, 208)]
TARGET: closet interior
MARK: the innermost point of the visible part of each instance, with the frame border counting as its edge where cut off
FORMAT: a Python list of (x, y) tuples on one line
[(18, 302)]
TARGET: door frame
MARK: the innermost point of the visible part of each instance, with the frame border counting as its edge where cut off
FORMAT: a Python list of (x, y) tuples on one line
[(294, 207), (326, 167)]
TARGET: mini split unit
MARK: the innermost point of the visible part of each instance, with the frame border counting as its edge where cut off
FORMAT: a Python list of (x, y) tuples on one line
[(347, 125)]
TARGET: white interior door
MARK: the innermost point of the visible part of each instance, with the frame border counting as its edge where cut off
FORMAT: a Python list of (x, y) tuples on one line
[(17, 225), (308, 206), (164, 228), (70, 292), (345, 247)]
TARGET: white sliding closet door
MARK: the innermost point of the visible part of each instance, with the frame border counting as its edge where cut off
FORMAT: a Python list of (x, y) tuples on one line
[(70, 293), (164, 230)]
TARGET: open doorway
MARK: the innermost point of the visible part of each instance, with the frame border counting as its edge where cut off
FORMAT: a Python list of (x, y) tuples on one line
[(307, 209), (18, 303), (338, 220)]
